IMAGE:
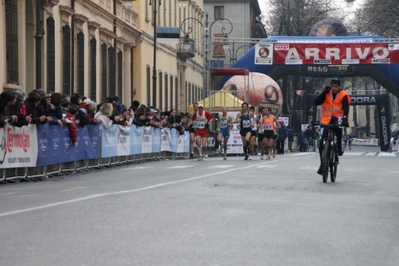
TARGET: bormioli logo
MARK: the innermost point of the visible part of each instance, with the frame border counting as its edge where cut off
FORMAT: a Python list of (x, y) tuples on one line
[(363, 99), (282, 46)]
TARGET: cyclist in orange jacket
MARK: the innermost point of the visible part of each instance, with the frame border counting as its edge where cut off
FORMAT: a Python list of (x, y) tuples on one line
[(335, 105)]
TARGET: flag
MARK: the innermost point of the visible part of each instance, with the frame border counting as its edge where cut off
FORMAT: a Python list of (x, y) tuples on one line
[(216, 63), (168, 35), (300, 92)]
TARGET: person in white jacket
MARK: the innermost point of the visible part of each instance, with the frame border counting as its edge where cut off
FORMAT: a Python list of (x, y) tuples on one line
[(103, 115)]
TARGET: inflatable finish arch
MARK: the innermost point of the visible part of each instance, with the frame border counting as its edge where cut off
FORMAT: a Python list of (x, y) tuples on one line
[(324, 56)]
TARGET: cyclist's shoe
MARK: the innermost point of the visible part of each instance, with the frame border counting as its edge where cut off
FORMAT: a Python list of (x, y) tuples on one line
[(249, 158), (191, 155), (246, 157), (205, 155), (320, 171), (340, 151)]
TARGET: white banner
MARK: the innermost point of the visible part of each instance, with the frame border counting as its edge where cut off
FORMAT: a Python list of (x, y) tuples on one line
[(146, 146), (18, 146), (165, 139), (123, 141)]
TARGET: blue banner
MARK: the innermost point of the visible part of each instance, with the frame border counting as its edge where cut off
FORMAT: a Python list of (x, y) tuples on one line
[(109, 142), (55, 144), (135, 139)]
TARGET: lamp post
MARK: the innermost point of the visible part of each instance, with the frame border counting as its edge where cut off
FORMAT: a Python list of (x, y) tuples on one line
[(187, 49), (154, 5), (233, 52)]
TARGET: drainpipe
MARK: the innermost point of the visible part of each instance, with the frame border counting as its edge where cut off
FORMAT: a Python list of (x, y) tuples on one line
[(39, 37), (115, 57)]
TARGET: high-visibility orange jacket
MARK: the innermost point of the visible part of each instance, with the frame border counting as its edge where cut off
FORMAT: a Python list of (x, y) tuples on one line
[(332, 108)]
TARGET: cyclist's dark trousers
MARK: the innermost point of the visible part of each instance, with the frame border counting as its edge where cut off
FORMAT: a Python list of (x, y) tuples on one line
[(338, 133)]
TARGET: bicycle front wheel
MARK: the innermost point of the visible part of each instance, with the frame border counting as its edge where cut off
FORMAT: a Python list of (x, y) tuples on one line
[(333, 163), (326, 161)]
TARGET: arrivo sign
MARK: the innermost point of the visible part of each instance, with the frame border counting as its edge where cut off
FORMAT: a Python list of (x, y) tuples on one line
[(335, 54)]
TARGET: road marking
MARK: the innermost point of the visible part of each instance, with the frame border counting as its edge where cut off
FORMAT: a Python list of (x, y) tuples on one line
[(267, 166), (136, 168), (371, 154), (353, 153), (94, 196), (180, 166), (7, 194), (221, 166), (71, 189), (386, 154)]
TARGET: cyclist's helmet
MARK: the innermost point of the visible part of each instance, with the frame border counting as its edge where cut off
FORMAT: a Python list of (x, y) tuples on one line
[(336, 80)]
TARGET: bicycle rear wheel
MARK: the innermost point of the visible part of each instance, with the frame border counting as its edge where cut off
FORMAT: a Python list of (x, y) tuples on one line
[(326, 160), (333, 163)]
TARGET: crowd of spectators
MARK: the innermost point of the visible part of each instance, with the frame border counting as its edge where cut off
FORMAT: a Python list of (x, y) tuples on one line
[(39, 107)]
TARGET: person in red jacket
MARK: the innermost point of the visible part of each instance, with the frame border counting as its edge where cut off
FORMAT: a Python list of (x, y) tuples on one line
[(70, 119), (201, 120)]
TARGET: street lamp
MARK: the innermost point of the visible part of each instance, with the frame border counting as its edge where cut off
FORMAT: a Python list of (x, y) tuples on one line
[(234, 54), (187, 48)]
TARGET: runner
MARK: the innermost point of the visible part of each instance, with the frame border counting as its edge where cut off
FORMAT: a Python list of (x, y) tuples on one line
[(254, 131), (269, 124), (244, 118), (261, 134), (201, 120), (192, 128), (225, 123)]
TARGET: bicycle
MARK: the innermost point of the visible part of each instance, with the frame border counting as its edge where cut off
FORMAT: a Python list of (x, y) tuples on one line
[(330, 153)]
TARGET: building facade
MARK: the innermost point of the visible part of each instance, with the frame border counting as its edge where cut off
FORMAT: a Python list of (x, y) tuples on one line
[(100, 48)]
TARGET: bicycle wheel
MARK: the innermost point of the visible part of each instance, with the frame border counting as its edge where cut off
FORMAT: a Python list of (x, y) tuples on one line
[(326, 160), (333, 163)]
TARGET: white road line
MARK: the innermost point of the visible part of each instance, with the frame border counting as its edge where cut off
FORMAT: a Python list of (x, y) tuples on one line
[(267, 166), (136, 168), (179, 166), (94, 196), (220, 166), (386, 154), (371, 154), (353, 153), (71, 189)]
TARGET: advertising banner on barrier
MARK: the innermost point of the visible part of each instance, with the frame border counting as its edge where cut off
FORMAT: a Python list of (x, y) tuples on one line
[(18, 146), (123, 140), (109, 143), (55, 144), (146, 146), (335, 53), (165, 139), (136, 134), (156, 140)]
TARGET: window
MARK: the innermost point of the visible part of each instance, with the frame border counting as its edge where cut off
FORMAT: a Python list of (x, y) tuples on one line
[(66, 66), (81, 63), (120, 72), (112, 72), (93, 74), (103, 72), (12, 41), (171, 92), (176, 92), (50, 55), (148, 85), (160, 91), (219, 12), (167, 106)]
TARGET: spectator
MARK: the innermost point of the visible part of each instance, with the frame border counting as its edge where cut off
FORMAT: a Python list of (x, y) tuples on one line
[(8, 110), (81, 118), (20, 105), (141, 116), (174, 121), (54, 109), (65, 104), (309, 138), (85, 107), (303, 147), (34, 109), (104, 114), (281, 136), (290, 138), (70, 119)]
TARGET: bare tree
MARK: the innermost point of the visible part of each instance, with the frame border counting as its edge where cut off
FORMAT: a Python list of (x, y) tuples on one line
[(378, 17), (296, 17)]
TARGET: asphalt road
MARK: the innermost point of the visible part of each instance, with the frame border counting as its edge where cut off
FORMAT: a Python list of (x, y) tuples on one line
[(214, 212)]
